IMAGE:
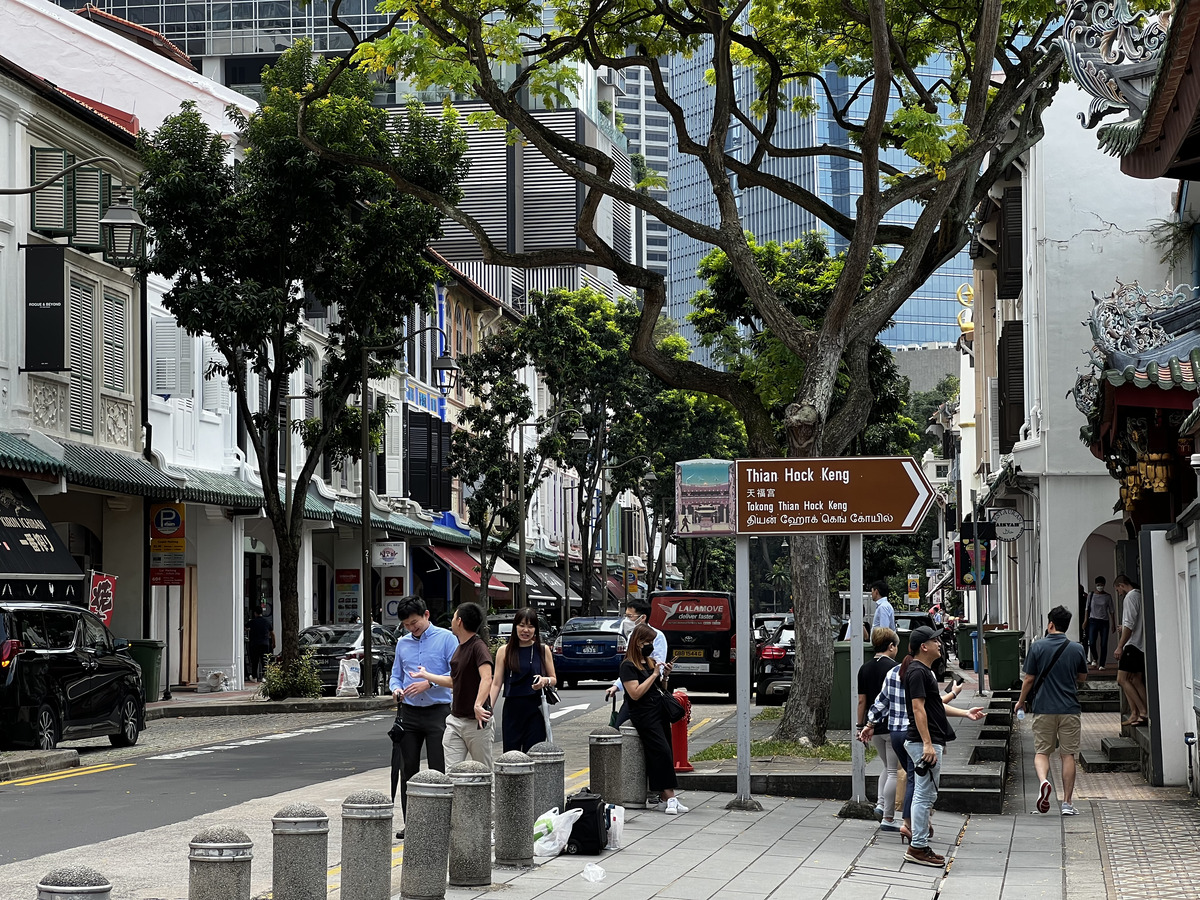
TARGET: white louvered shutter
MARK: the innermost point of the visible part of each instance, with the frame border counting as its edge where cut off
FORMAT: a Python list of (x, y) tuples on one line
[(394, 451), (83, 357), (215, 394), (116, 343), (164, 354), (187, 364)]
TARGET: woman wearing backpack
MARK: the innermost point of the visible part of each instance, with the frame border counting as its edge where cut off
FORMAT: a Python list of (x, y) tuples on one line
[(524, 668), (643, 685)]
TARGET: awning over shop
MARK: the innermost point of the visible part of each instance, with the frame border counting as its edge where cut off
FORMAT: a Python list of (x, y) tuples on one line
[(34, 561), (551, 580), (468, 567), (19, 456), (316, 507), (939, 583), (351, 514), (217, 489), (122, 473), (408, 527), (536, 589), (447, 535), (501, 570)]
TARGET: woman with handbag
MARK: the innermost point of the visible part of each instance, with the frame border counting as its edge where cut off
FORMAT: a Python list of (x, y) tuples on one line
[(650, 713), (524, 671)]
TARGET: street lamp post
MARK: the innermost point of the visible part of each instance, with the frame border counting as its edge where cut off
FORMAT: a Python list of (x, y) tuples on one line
[(443, 365), (579, 436)]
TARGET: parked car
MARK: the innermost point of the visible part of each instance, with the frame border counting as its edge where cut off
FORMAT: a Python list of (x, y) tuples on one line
[(764, 624), (330, 644), (500, 626), (701, 638), (775, 664), (588, 648), (63, 676)]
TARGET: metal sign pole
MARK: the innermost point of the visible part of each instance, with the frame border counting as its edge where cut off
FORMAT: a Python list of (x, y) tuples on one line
[(857, 750), (743, 800)]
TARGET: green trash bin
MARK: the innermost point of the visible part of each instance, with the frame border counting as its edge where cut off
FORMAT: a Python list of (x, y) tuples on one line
[(843, 683), (964, 645), (148, 655), (1004, 659)]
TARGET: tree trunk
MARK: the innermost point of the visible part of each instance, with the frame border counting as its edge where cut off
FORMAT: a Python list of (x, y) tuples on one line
[(806, 713), (288, 558)]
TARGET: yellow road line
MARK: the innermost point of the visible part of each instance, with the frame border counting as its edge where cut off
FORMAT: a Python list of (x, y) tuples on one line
[(75, 769), (577, 774), (699, 725), (69, 773)]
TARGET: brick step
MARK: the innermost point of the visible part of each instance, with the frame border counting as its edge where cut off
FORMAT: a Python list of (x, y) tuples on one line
[(1093, 761), (1089, 705), (1120, 749), (970, 800), (1102, 687)]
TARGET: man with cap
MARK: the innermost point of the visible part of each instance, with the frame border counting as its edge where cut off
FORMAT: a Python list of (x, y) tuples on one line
[(928, 733)]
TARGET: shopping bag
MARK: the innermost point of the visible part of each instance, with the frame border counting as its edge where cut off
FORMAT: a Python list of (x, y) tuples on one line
[(616, 825), (349, 678), (553, 841)]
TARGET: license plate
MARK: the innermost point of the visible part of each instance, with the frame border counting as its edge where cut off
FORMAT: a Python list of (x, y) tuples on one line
[(691, 667), (592, 648), (696, 651)]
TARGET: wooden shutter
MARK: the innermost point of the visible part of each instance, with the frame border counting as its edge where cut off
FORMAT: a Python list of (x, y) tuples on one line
[(171, 359), (83, 357), (52, 208), (416, 439), (115, 342), (1011, 257), (310, 389), (215, 393), (392, 484), (1011, 383), (90, 201), (444, 473)]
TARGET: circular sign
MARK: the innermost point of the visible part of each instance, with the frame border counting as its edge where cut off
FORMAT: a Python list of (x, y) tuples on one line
[(1009, 523), (167, 520)]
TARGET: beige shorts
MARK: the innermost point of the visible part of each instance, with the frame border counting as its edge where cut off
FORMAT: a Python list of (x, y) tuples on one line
[(1062, 731)]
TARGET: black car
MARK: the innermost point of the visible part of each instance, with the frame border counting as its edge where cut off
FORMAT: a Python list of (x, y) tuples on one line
[(774, 664), (588, 648), (63, 676), (500, 627), (330, 644)]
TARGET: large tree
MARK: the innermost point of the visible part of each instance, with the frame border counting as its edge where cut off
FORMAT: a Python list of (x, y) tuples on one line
[(1004, 68), (242, 244)]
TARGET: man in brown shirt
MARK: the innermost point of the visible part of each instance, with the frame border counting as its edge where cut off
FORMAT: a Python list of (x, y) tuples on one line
[(468, 732)]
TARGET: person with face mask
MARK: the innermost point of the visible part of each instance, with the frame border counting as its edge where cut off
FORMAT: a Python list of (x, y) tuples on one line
[(637, 612), (647, 701)]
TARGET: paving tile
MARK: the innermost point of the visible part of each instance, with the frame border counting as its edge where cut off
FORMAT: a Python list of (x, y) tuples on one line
[(851, 890), (902, 892), (691, 888)]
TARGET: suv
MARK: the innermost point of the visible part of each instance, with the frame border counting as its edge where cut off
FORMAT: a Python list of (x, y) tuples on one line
[(63, 676)]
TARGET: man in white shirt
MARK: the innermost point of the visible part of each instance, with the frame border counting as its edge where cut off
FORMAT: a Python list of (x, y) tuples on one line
[(885, 613), (637, 612), (1131, 651)]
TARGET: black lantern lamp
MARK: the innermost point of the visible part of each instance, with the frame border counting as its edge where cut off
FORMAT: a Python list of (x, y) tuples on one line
[(445, 371), (123, 232)]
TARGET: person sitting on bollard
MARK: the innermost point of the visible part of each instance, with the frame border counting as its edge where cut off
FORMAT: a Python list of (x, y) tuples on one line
[(639, 675), (637, 612), (524, 668)]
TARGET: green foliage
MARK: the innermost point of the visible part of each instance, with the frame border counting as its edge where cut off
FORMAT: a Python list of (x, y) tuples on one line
[(297, 678), (832, 751)]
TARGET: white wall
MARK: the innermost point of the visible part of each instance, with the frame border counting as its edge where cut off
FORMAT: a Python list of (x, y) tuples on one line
[(219, 638)]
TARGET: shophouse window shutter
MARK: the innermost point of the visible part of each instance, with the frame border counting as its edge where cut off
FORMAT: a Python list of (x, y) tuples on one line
[(116, 344), (83, 357), (90, 198), (394, 455), (52, 208), (435, 467), (164, 357), (444, 474), (417, 453), (310, 389), (215, 395), (1011, 257), (1011, 371)]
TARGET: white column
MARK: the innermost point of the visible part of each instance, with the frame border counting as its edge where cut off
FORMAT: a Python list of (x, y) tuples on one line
[(219, 627)]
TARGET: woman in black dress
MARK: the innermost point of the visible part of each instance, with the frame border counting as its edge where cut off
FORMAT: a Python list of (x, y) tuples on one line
[(641, 678), (524, 666)]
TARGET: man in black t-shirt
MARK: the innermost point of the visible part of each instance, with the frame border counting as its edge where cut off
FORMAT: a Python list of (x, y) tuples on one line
[(928, 733)]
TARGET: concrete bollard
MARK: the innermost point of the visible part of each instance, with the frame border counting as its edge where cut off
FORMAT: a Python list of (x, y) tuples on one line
[(549, 777), (471, 825), (633, 769), (427, 836), (220, 859), (604, 754), (73, 882), (300, 853), (514, 809), (366, 846)]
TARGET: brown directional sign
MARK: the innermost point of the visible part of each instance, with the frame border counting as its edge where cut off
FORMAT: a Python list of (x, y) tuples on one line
[(845, 495)]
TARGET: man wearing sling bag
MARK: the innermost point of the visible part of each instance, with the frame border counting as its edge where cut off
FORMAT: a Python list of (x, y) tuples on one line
[(1054, 668)]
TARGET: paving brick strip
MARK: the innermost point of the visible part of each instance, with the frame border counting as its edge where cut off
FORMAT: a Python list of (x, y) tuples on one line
[(251, 707)]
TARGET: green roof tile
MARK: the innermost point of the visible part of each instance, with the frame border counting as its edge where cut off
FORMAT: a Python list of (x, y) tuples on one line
[(110, 470), (218, 489), (449, 536), (18, 454)]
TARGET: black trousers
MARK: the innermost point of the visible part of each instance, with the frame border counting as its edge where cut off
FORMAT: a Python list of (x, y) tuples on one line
[(654, 729), (423, 725)]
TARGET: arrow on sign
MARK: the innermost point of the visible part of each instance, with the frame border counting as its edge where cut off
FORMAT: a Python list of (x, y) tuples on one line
[(567, 709), (924, 493)]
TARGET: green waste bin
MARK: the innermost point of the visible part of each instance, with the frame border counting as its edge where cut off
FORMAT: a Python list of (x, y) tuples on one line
[(965, 646), (843, 683), (148, 655), (1004, 659)]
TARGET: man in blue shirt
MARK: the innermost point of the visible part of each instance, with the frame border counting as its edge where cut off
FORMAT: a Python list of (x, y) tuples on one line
[(885, 613), (423, 706)]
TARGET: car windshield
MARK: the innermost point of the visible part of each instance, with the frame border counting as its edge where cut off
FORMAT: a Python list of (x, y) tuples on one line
[(326, 635), (591, 624), (785, 637)]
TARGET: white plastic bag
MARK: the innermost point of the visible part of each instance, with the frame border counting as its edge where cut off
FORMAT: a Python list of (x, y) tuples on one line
[(594, 873), (616, 825), (349, 678), (554, 841)]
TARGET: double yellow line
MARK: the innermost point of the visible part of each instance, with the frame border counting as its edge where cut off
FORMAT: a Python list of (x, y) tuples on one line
[(68, 773)]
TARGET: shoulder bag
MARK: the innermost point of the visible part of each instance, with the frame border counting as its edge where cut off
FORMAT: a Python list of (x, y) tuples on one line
[(672, 708), (1037, 682), (550, 692)]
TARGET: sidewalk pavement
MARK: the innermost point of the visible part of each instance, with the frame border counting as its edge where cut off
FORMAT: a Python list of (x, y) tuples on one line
[(187, 703)]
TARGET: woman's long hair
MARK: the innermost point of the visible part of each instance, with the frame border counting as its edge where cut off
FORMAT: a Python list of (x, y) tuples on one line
[(904, 669), (512, 655), (643, 634)]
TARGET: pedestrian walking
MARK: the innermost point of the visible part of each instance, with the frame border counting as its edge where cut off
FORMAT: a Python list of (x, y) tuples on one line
[(885, 613), (637, 612), (1054, 668), (647, 697), (422, 705), (469, 726), (871, 676), (1131, 652), (524, 669), (928, 733), (1101, 622), (261, 639)]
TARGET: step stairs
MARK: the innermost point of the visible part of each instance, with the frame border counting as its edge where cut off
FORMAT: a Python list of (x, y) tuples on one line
[(1117, 754), (1100, 696)]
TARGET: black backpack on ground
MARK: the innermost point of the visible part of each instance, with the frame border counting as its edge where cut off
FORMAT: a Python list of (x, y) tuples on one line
[(589, 835)]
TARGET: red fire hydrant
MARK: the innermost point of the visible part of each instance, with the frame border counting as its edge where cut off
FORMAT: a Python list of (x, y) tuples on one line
[(679, 734)]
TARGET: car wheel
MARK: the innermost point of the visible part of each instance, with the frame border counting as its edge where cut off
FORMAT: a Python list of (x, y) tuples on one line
[(46, 733), (128, 735)]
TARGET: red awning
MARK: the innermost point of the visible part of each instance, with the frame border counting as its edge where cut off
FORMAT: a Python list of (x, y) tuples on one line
[(615, 587), (465, 565)]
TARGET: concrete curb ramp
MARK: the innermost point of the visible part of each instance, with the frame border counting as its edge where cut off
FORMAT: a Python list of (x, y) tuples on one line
[(36, 762)]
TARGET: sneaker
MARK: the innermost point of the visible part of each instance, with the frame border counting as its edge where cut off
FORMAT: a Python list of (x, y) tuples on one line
[(674, 807), (889, 826), (923, 856), (1069, 810), (1100, 668), (879, 814), (1045, 792)]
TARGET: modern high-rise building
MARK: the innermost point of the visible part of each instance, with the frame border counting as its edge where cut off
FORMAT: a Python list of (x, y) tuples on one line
[(648, 129)]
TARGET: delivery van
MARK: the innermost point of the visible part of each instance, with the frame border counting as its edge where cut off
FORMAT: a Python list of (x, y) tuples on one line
[(700, 630)]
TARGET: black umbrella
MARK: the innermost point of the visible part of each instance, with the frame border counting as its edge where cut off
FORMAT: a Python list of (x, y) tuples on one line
[(396, 733)]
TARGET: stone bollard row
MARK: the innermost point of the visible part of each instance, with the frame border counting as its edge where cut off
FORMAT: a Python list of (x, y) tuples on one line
[(300, 853), (549, 777), (471, 825), (604, 757), (426, 836), (633, 769), (219, 861), (366, 846), (514, 808), (73, 883)]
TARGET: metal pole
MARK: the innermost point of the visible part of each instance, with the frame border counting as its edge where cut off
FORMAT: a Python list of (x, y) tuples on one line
[(857, 750), (980, 614), (604, 537), (566, 543), (520, 595), (743, 800), (364, 581), (167, 640)]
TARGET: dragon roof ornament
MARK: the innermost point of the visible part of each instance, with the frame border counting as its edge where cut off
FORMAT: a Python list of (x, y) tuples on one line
[(1114, 54)]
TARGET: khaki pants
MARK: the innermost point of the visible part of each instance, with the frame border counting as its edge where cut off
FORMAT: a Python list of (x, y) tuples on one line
[(464, 739)]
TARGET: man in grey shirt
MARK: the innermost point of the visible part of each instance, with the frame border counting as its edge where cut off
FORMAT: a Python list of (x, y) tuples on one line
[(1131, 652), (1101, 621)]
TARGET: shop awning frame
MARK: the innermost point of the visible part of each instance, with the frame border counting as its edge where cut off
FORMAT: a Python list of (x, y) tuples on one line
[(465, 565)]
